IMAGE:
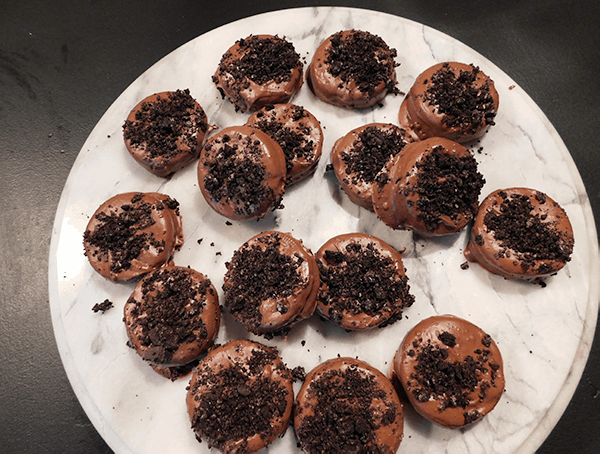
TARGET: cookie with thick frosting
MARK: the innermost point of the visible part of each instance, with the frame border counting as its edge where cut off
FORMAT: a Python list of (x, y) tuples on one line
[(363, 282), (359, 156)]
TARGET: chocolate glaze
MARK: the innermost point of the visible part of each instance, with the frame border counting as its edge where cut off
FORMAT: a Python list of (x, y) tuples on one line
[(334, 90), (286, 123), (188, 134), (387, 433), (201, 311), (160, 235), (277, 312), (469, 340), (242, 89), (236, 146), (422, 120), (395, 200), (240, 355), (365, 319), (359, 188), (494, 256)]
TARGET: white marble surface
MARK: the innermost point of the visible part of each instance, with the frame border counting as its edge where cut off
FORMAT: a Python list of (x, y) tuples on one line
[(544, 334)]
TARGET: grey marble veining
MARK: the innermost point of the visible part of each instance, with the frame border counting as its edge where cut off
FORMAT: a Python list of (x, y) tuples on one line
[(544, 334)]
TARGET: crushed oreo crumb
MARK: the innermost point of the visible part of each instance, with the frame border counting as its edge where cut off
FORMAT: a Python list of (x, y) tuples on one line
[(103, 306)]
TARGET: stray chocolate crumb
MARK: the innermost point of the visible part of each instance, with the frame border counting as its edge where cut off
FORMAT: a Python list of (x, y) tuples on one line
[(103, 306)]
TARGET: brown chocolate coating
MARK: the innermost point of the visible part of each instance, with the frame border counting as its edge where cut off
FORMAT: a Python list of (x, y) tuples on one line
[(259, 70), (298, 133), (470, 379), (544, 234), (358, 157), (241, 173), (271, 283), (132, 234), (240, 397), (172, 316), (346, 405), (422, 117), (363, 282), (404, 198), (353, 69), (165, 131)]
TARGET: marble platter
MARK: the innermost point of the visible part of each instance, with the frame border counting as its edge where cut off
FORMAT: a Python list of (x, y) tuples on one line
[(544, 334)]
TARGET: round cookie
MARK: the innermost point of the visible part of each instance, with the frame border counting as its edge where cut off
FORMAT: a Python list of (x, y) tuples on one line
[(360, 155), (240, 397), (241, 173), (452, 100), (132, 234), (451, 370), (165, 131), (432, 187), (172, 317), (521, 233), (298, 133), (271, 283), (346, 405), (353, 69), (259, 70), (363, 282)]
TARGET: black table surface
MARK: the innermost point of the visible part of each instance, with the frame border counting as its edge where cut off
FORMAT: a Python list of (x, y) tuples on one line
[(63, 63)]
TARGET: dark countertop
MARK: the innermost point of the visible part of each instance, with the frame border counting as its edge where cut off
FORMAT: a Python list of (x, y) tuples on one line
[(62, 64)]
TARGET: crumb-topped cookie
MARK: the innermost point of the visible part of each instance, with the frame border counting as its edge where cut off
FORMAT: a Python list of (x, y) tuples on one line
[(346, 405), (171, 318), (132, 234), (363, 282), (241, 173), (451, 370), (240, 397), (298, 133), (165, 131), (354, 69), (521, 233), (271, 283), (359, 156), (432, 187), (452, 100), (259, 70)]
